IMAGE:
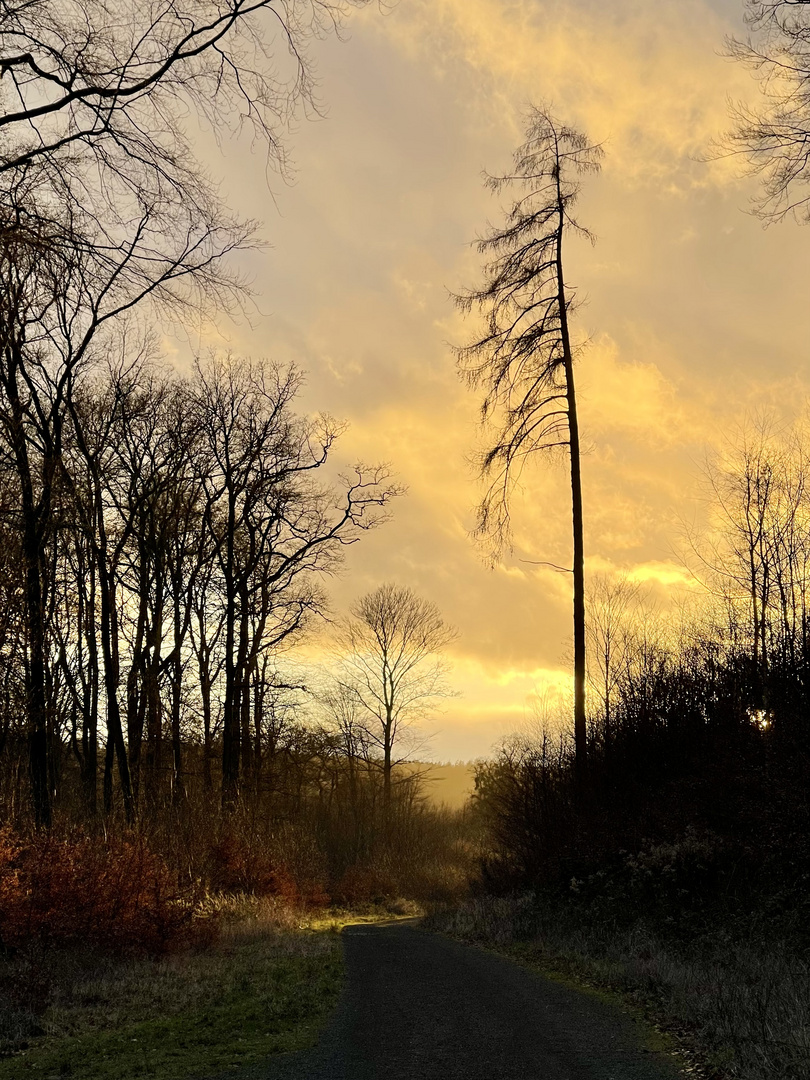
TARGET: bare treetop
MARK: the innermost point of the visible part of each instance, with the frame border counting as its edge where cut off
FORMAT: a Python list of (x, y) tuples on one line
[(407, 627), (774, 137), (519, 360), (88, 71), (98, 102), (390, 664)]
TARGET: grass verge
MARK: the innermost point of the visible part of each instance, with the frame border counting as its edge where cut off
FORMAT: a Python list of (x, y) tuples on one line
[(265, 986), (735, 1007)]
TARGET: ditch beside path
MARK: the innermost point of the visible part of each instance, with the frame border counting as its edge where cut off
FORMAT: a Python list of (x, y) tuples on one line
[(418, 1006)]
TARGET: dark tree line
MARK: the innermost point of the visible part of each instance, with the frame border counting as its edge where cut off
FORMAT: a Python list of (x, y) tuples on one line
[(184, 544), (697, 792), (108, 225)]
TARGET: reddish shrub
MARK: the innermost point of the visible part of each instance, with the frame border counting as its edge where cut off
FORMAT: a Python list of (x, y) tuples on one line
[(110, 894), (311, 893), (238, 866), (362, 884)]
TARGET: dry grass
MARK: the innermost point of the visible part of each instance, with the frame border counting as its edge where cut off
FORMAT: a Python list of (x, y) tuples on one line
[(742, 1005)]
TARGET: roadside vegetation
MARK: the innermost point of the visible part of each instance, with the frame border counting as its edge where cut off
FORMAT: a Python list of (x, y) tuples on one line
[(675, 866), (125, 981), (263, 984), (205, 947), (732, 1005)]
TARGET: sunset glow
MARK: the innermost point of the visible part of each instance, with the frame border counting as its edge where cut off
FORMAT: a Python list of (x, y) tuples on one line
[(696, 316)]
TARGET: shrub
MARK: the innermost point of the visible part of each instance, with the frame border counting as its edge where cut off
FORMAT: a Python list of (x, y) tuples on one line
[(362, 885), (672, 883), (111, 894), (238, 866)]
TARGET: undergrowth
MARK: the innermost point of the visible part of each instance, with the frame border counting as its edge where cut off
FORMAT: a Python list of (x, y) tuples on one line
[(113, 895)]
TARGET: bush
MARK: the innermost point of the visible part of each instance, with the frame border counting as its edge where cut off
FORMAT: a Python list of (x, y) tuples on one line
[(111, 894), (671, 883), (238, 866), (251, 863), (363, 885)]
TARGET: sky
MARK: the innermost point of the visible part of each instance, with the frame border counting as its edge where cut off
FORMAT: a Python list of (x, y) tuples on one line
[(696, 316)]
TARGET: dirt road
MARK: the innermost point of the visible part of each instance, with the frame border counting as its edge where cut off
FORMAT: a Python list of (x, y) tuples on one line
[(417, 1006)]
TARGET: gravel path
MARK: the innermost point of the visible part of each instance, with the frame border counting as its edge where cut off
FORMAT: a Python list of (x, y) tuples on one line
[(418, 1006)]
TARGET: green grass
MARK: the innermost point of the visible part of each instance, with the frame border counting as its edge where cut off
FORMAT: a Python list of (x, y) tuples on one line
[(262, 989)]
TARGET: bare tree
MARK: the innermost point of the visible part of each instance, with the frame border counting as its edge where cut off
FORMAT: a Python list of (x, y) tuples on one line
[(524, 359), (389, 664), (775, 137), (105, 208), (272, 530), (754, 554), (346, 730), (609, 604), (66, 284), (83, 75)]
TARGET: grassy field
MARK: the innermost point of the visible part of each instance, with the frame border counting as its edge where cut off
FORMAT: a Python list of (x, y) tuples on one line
[(265, 985)]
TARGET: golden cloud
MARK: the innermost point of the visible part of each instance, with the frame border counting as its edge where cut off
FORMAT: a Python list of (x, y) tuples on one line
[(646, 78)]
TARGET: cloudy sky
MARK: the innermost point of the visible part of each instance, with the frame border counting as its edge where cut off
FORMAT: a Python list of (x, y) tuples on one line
[(697, 315)]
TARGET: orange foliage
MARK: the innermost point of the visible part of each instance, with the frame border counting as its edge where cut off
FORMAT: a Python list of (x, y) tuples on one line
[(239, 865), (361, 884), (111, 894)]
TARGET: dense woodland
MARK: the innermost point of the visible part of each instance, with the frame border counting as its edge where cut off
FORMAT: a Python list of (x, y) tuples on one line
[(189, 537), (186, 544), (168, 536)]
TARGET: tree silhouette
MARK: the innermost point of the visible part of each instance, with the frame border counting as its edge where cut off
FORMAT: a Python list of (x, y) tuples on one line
[(775, 136), (273, 531), (390, 666), (524, 358), (105, 211)]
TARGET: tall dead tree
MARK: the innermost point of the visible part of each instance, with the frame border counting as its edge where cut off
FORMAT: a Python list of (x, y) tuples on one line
[(524, 358)]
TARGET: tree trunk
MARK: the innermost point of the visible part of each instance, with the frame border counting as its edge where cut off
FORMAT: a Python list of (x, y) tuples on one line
[(244, 662), (136, 705), (580, 730), (90, 702), (178, 784), (154, 706), (387, 772), (35, 517), (231, 719), (205, 693), (112, 678), (37, 708)]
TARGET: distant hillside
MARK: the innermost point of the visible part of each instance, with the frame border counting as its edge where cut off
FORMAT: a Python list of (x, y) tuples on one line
[(450, 784)]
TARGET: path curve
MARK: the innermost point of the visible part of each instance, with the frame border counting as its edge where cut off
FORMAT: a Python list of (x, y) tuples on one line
[(418, 1006)]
